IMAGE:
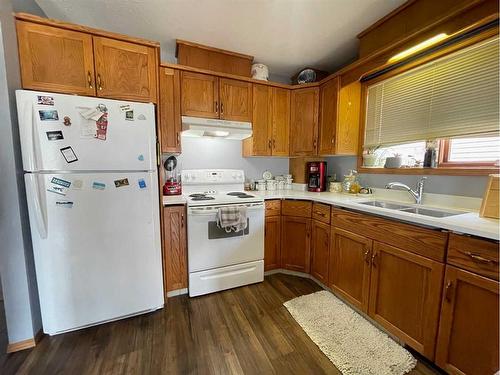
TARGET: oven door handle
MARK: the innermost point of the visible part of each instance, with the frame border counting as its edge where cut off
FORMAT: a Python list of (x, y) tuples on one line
[(208, 212)]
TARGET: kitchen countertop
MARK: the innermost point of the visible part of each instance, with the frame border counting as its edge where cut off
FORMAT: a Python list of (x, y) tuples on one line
[(171, 200), (468, 223)]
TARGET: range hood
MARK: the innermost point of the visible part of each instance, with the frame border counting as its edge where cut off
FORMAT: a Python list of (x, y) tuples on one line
[(207, 127)]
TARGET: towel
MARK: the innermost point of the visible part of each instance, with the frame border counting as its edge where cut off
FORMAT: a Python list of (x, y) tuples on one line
[(232, 218)]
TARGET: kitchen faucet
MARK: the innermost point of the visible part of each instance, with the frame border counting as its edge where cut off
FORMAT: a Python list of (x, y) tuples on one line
[(416, 194)]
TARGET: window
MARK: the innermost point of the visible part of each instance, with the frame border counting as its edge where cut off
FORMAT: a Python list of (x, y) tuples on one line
[(453, 100), (473, 152)]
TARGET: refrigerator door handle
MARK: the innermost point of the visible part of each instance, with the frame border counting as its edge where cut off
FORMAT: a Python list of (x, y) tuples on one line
[(27, 127), (41, 222)]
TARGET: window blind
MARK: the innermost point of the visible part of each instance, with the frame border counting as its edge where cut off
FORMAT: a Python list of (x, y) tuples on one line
[(456, 95)]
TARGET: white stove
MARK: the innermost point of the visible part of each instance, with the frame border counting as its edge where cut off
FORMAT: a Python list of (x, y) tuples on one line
[(218, 260)]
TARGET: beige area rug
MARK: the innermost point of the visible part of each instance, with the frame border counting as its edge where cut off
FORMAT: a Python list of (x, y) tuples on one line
[(352, 343)]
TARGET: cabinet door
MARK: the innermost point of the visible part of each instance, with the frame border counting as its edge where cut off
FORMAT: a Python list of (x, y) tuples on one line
[(348, 119), (174, 248), (350, 267), (280, 109), (200, 95), (235, 100), (304, 122), (468, 329), (125, 70), (320, 251), (295, 243), (261, 123), (272, 245), (328, 116), (405, 294), (55, 60), (170, 110)]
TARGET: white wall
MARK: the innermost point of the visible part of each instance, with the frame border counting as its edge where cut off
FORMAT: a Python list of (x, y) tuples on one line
[(202, 153), (17, 272)]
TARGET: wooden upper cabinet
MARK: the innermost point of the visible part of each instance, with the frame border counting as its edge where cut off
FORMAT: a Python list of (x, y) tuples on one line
[(349, 104), (170, 110), (174, 248), (270, 122), (199, 95), (125, 70), (320, 250), (468, 329), (295, 243), (272, 244), (328, 93), (405, 294), (235, 100), (350, 267), (55, 60), (260, 142), (304, 121), (280, 117)]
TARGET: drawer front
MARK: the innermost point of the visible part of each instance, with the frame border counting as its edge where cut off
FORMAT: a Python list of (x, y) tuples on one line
[(430, 243), (273, 207), (296, 208), (321, 212), (473, 254)]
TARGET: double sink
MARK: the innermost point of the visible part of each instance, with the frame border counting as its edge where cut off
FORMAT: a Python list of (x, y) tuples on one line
[(412, 209)]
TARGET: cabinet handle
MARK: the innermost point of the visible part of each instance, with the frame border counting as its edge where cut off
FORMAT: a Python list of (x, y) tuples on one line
[(374, 258), (269, 144), (274, 143), (367, 256), (314, 144), (216, 106), (448, 290), (333, 140), (320, 213), (182, 220), (221, 108), (99, 82), (178, 138), (89, 80), (479, 258)]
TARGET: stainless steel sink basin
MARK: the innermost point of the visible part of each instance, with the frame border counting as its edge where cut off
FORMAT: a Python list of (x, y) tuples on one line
[(383, 204), (412, 209), (430, 212)]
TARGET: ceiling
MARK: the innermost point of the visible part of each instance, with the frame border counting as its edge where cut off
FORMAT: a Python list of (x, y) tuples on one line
[(286, 35)]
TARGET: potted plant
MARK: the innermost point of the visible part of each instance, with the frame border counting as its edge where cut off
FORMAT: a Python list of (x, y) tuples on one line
[(394, 161), (370, 158)]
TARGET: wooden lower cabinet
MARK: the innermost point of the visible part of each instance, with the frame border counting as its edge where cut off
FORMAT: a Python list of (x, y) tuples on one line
[(468, 329), (350, 267), (174, 248), (272, 243), (320, 250), (295, 243), (405, 294)]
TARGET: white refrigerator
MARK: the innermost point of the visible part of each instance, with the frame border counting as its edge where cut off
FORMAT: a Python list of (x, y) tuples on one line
[(92, 192)]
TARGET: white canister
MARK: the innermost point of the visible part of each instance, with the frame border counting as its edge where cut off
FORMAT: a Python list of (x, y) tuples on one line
[(260, 185), (260, 71), (271, 185)]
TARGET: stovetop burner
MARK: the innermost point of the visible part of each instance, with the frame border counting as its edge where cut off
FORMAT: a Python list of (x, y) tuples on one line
[(240, 194), (201, 198), (197, 195)]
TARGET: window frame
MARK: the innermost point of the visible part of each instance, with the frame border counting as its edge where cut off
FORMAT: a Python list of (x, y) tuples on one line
[(444, 167), (444, 154)]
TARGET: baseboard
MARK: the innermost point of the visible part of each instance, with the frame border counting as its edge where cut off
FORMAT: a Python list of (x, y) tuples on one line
[(177, 292), (25, 344), (299, 274)]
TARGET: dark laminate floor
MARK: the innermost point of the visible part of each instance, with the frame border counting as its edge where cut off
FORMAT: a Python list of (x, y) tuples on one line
[(244, 330)]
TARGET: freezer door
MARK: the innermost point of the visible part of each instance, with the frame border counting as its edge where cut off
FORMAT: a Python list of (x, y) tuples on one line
[(96, 242), (76, 133)]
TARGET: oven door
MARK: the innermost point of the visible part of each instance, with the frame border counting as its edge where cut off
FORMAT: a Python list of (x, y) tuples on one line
[(211, 247)]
